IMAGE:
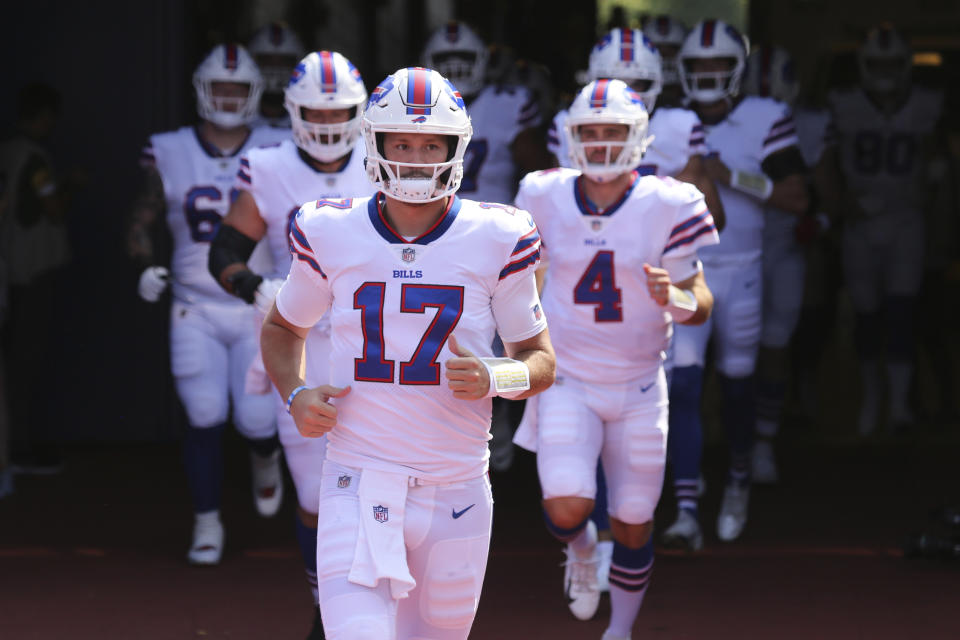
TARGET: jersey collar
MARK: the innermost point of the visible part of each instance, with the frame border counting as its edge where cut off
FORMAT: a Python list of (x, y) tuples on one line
[(379, 221), (213, 151), (587, 207)]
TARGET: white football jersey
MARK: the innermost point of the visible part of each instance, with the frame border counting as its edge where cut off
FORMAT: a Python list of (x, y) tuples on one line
[(604, 325), (677, 135), (198, 187), (392, 304), (882, 156), (498, 114), (281, 180), (755, 128)]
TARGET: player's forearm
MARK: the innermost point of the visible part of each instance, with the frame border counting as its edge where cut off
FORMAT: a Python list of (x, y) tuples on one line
[(540, 360), (704, 304), (282, 351)]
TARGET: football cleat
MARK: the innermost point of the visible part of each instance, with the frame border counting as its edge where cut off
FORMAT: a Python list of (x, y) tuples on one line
[(733, 511), (267, 483), (684, 533), (207, 547), (764, 464), (580, 584)]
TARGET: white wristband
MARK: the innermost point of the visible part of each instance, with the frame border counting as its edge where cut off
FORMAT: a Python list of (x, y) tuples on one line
[(681, 304), (508, 377), (754, 184)]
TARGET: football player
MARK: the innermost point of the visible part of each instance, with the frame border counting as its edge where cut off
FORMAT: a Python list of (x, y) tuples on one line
[(771, 72), (415, 281), (276, 49), (756, 164), (884, 136), (667, 34), (325, 99), (189, 178), (623, 248)]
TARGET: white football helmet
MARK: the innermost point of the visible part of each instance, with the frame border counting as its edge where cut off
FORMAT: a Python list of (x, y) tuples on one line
[(771, 72), (228, 63), (276, 49), (460, 56), (667, 34), (885, 61), (325, 80), (607, 102), (713, 39), (626, 54), (416, 100)]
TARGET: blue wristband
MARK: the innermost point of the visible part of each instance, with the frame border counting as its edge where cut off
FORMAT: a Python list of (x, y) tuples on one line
[(293, 394)]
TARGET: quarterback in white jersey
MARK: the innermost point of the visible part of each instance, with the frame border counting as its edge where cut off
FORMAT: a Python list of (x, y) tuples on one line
[(755, 162), (677, 136), (409, 278), (884, 132), (325, 98), (212, 342), (623, 265), (505, 143)]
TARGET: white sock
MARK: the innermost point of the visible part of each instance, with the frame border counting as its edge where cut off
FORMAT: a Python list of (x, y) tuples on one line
[(208, 517), (585, 544)]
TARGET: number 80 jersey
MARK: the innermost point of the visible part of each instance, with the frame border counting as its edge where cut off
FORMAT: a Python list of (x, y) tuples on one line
[(198, 188), (393, 303), (604, 325)]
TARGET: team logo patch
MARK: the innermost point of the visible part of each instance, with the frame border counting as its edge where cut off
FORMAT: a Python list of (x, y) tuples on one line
[(420, 119), (381, 91), (537, 314), (408, 254), (381, 513), (343, 482)]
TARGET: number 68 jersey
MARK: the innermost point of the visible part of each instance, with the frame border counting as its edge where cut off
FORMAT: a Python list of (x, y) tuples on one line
[(198, 188), (393, 303), (604, 325)]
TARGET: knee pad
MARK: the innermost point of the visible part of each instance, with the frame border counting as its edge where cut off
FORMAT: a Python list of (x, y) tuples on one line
[(204, 402), (635, 508), (451, 584), (353, 616), (567, 476), (254, 416)]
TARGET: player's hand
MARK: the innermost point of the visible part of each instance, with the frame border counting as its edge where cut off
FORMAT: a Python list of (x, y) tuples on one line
[(153, 282), (466, 375), (312, 412), (715, 169), (658, 284), (266, 293)]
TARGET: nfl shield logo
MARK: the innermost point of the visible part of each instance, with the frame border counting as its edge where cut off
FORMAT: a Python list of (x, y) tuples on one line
[(381, 513), (596, 225), (408, 255), (537, 314), (343, 482)]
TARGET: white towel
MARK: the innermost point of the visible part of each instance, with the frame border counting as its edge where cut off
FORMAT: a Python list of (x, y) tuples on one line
[(526, 435), (380, 552)]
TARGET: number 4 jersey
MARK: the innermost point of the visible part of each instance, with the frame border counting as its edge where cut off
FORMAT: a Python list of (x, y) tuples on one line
[(393, 303), (604, 325), (198, 188)]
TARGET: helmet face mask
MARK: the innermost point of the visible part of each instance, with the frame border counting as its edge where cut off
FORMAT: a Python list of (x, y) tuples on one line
[(416, 101), (325, 81), (626, 54), (228, 86), (459, 55), (712, 61), (610, 116), (885, 61)]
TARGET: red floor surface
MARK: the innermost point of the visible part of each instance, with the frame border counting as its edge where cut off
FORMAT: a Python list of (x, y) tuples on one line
[(97, 552)]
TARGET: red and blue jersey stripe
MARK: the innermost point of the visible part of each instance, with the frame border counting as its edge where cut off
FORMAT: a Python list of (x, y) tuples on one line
[(525, 253), (690, 229), (328, 73), (419, 90), (302, 250), (244, 171)]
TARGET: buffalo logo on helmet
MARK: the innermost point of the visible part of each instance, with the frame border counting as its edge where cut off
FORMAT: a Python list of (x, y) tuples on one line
[(420, 119), (381, 91), (454, 94), (381, 513), (298, 72)]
